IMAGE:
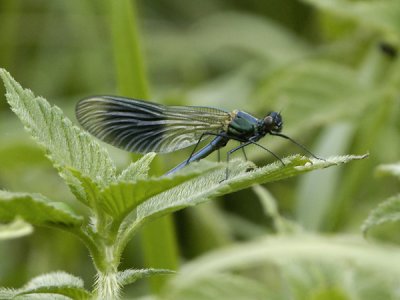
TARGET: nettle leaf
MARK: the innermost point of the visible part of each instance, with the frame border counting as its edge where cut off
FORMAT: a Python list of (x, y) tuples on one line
[(221, 286), (119, 199), (284, 251), (205, 187), (386, 212), (66, 144), (89, 191), (129, 276), (57, 285), (7, 293), (389, 169), (270, 207), (15, 229), (382, 15), (37, 210), (138, 169)]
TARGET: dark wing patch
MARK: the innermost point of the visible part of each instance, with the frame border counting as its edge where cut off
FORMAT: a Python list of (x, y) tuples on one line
[(141, 126)]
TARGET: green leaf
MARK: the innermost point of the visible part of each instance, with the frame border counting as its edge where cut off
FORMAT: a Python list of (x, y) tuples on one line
[(270, 208), (203, 188), (15, 229), (387, 211), (221, 286), (381, 15), (48, 286), (389, 169), (287, 249), (206, 187), (138, 169), (87, 191), (37, 210), (316, 280), (131, 275), (66, 144), (7, 294), (119, 199)]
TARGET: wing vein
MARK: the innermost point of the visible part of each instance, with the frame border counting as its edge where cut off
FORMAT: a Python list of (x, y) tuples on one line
[(140, 126)]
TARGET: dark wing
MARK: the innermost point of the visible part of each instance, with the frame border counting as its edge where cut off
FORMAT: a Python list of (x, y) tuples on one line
[(141, 126)]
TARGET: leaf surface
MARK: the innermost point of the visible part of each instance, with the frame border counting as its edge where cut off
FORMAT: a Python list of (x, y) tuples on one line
[(214, 185), (37, 210), (15, 229), (386, 212), (56, 285), (66, 144), (120, 198), (131, 275)]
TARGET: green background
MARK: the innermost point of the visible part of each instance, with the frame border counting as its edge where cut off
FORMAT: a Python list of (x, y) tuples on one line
[(329, 66)]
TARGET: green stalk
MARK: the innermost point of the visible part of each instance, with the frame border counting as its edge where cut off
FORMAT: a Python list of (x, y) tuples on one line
[(9, 33), (132, 82), (160, 248), (107, 286), (129, 62)]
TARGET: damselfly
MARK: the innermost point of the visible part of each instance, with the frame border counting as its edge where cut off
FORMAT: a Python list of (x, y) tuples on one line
[(142, 126)]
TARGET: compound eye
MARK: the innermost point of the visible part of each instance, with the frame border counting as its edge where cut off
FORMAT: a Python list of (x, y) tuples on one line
[(273, 122), (268, 121), (276, 122)]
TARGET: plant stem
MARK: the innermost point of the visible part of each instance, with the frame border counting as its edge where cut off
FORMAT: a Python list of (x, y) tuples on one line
[(129, 62), (107, 286)]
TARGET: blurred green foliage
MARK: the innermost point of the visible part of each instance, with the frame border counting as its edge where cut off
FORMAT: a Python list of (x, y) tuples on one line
[(330, 66)]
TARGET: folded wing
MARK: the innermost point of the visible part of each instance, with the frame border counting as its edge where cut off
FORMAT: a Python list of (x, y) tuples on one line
[(141, 126)]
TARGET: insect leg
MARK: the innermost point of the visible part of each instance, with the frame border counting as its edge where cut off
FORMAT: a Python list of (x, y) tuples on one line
[(241, 146), (276, 156), (244, 152), (296, 143)]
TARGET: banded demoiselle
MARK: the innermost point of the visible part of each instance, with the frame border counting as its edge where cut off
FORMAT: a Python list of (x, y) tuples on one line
[(142, 126)]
